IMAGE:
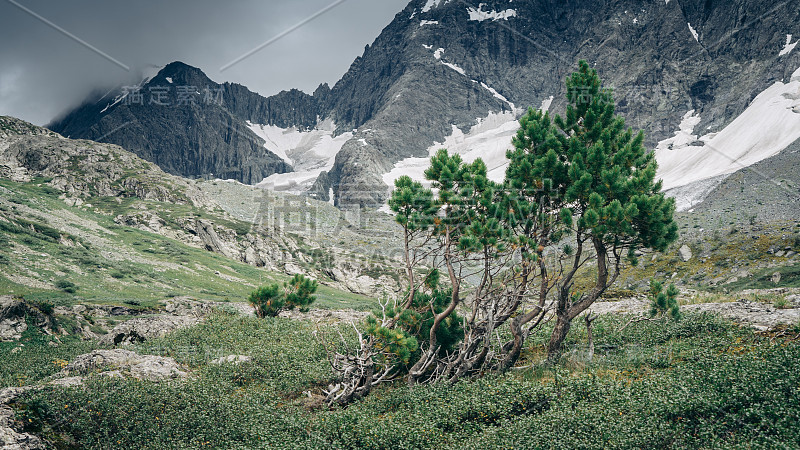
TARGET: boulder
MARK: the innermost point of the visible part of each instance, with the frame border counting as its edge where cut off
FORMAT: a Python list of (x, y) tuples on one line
[(685, 253), (13, 313), (188, 306), (119, 362), (10, 438), (142, 329)]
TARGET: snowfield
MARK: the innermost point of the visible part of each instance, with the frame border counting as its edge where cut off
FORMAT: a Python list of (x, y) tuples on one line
[(433, 4), (770, 124), (309, 152), (488, 139), (690, 166), (480, 15), (789, 46)]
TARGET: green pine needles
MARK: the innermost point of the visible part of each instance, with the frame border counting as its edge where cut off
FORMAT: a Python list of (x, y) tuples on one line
[(664, 302), (270, 300)]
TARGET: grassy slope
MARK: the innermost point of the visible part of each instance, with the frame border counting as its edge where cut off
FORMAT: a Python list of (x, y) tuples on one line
[(115, 264), (720, 255)]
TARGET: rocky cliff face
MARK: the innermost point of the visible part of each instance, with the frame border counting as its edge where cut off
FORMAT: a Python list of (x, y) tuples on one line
[(185, 123), (444, 65)]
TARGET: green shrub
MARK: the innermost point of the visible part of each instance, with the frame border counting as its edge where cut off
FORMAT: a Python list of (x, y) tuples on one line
[(781, 303), (66, 286), (300, 292), (270, 300), (402, 344), (44, 306), (724, 388), (49, 190), (40, 230), (663, 302), (267, 301), (30, 241)]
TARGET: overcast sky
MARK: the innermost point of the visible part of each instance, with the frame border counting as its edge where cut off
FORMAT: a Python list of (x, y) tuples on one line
[(43, 72)]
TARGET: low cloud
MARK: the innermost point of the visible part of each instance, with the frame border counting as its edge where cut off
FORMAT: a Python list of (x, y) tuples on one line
[(44, 72)]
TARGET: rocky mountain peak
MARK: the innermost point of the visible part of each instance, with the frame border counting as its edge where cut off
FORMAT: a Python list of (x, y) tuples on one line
[(182, 74), (183, 121)]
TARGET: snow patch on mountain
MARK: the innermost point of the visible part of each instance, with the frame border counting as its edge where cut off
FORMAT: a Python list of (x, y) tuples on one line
[(770, 124), (309, 152), (688, 196), (478, 14), (497, 95), (546, 104), (433, 4), (438, 55), (488, 139), (455, 67), (694, 32), (422, 23), (116, 100), (789, 46), (683, 137)]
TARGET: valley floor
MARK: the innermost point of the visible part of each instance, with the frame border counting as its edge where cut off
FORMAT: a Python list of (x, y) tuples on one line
[(700, 382)]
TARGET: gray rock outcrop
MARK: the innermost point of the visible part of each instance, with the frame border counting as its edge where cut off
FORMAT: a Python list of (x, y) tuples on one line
[(13, 314), (142, 329), (116, 363), (10, 438), (120, 362), (81, 169), (762, 317)]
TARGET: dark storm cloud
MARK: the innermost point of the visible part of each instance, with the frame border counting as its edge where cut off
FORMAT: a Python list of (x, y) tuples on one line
[(44, 71)]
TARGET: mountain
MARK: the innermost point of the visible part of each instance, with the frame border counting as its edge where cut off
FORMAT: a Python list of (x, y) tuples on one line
[(185, 123), (459, 73)]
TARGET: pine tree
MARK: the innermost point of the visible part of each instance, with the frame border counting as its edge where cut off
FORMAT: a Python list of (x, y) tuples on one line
[(597, 177), (664, 302), (270, 300), (579, 199)]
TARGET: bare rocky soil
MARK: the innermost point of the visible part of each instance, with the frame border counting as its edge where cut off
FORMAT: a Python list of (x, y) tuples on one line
[(757, 315)]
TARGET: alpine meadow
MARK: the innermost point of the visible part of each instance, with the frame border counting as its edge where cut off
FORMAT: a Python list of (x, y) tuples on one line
[(498, 224)]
